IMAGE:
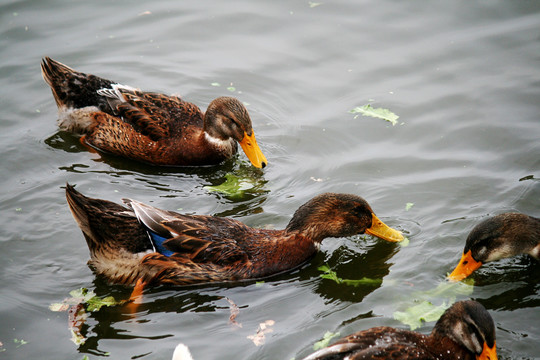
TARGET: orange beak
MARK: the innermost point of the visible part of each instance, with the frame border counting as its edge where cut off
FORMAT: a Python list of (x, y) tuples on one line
[(383, 231), (488, 353), (467, 265), (253, 151)]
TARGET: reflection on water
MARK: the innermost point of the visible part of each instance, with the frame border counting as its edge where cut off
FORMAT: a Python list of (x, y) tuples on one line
[(63, 140), (462, 76), (372, 262), (117, 322), (236, 181)]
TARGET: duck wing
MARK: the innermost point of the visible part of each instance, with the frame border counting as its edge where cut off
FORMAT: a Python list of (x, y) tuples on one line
[(148, 127), (203, 239), (154, 115)]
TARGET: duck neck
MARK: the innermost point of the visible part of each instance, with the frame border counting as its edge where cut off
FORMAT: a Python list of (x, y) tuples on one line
[(312, 226), (227, 147), (446, 348), (521, 237), (214, 138)]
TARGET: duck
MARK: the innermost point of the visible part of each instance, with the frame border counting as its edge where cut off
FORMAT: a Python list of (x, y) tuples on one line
[(137, 244), (149, 127), (501, 236), (465, 331)]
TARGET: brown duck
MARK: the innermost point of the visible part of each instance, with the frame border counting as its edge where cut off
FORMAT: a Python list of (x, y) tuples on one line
[(498, 237), (146, 126), (465, 331), (143, 244)]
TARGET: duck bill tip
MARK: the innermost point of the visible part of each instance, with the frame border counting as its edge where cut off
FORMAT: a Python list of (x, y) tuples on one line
[(466, 266), (253, 151), (488, 353)]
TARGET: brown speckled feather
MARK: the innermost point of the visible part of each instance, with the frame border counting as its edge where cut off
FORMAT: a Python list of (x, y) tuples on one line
[(146, 126), (210, 239), (390, 343)]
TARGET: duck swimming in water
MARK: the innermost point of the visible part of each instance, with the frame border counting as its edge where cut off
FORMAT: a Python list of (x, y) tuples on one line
[(498, 237), (465, 331), (146, 245), (147, 126)]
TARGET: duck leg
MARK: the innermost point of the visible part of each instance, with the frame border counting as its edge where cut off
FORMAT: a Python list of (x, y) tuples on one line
[(136, 296)]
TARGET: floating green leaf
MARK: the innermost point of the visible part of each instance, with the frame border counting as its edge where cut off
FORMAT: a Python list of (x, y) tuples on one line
[(313, 4), (233, 186), (380, 113), (362, 281), (325, 340), (408, 206), (331, 275), (448, 290), (236, 186), (405, 242), (215, 84), (96, 303), (80, 303), (425, 311), (82, 295), (20, 342), (85, 297)]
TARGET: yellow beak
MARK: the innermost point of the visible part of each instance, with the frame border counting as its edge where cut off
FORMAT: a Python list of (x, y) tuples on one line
[(383, 231), (467, 265), (488, 353), (253, 151)]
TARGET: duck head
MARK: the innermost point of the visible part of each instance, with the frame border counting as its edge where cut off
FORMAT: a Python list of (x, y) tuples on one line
[(227, 118), (469, 324), (339, 215), (498, 237)]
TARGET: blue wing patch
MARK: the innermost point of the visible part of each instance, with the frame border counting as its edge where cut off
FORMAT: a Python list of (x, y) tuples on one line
[(158, 244)]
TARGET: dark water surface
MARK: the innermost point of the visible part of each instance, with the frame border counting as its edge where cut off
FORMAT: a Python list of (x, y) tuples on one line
[(463, 77)]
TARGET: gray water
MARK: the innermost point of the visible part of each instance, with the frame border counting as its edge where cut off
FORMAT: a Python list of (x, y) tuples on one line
[(463, 77)]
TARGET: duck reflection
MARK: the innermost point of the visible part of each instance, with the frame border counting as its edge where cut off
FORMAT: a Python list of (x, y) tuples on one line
[(89, 327), (352, 272), (231, 182)]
